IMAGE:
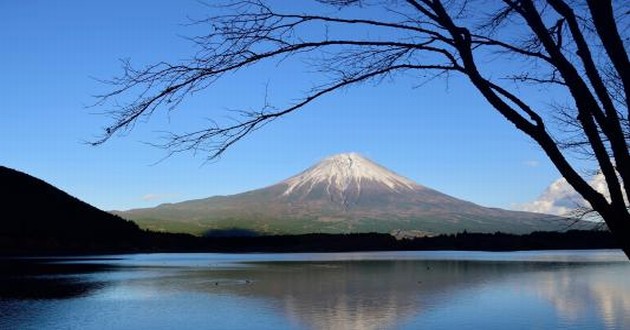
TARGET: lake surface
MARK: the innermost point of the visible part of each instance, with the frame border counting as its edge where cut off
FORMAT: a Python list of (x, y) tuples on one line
[(375, 290)]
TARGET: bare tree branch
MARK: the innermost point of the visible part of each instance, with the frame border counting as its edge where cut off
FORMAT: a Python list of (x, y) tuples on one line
[(228, 135)]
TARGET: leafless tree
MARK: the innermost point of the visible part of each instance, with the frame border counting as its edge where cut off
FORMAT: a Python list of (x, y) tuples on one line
[(575, 47)]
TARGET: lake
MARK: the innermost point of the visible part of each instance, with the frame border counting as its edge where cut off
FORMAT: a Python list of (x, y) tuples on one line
[(372, 290)]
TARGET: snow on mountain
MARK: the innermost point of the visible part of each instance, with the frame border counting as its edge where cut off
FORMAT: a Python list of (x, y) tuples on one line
[(344, 171), (344, 180)]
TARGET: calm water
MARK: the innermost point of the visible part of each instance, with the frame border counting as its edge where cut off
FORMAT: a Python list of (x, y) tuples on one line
[(386, 290)]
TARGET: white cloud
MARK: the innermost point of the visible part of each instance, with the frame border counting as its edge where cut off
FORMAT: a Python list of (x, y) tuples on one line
[(153, 197), (561, 199), (531, 163)]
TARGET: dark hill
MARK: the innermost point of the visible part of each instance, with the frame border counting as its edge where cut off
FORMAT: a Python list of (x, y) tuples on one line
[(39, 217)]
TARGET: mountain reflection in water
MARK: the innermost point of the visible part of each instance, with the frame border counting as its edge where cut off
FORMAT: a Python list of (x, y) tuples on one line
[(320, 291)]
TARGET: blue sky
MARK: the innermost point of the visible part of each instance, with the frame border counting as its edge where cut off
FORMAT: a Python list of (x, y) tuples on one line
[(440, 135)]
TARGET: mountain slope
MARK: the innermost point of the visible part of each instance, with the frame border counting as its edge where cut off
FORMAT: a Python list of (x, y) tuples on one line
[(341, 194), (37, 215)]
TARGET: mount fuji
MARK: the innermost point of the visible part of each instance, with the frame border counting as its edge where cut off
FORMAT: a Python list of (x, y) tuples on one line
[(344, 193)]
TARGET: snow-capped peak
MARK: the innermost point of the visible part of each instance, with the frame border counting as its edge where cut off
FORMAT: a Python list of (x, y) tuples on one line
[(341, 171)]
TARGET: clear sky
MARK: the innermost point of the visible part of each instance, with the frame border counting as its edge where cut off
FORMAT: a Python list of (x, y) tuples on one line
[(440, 135)]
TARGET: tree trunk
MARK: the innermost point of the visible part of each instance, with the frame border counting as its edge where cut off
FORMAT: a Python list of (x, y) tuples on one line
[(619, 224)]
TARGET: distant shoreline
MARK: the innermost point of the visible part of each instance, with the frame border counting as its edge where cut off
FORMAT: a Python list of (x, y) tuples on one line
[(153, 242)]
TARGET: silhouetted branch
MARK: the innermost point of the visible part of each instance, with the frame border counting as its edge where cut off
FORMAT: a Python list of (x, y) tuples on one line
[(204, 140)]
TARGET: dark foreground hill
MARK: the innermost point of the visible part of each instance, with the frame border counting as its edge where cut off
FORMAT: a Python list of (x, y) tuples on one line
[(37, 216)]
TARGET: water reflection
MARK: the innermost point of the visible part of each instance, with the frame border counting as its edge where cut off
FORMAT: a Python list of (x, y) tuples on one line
[(47, 279), (350, 293), (591, 290), (336, 295)]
